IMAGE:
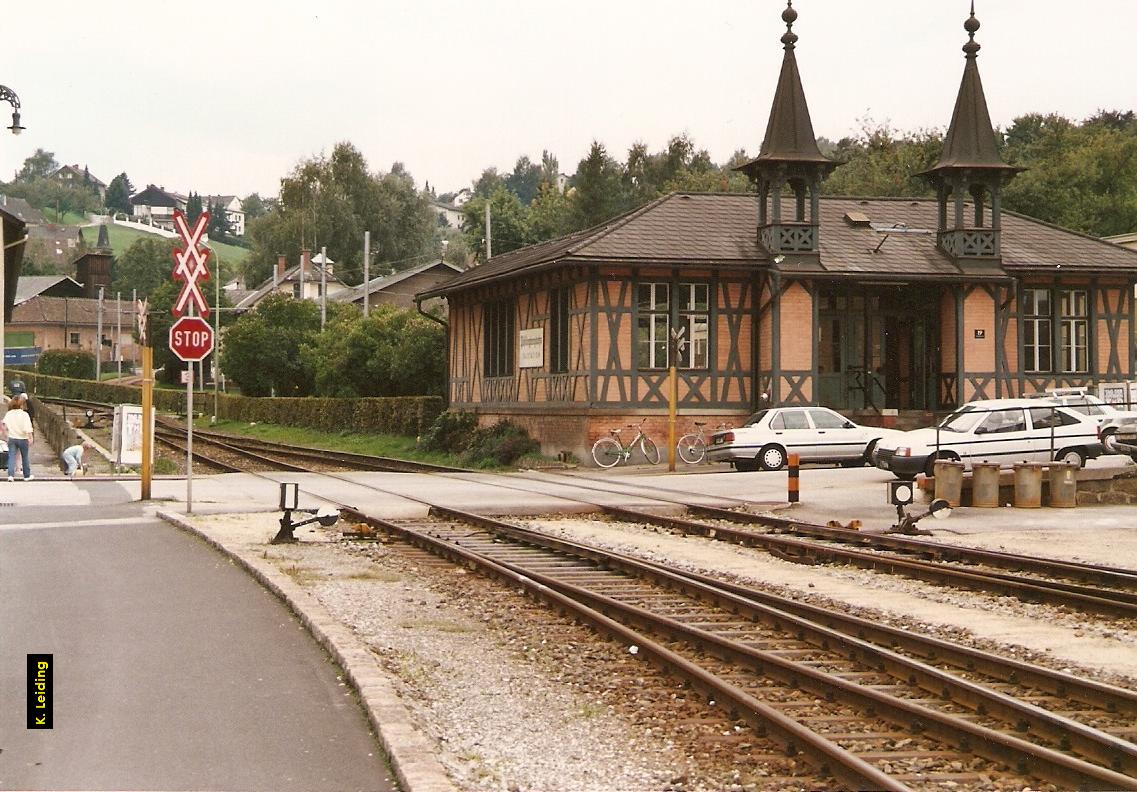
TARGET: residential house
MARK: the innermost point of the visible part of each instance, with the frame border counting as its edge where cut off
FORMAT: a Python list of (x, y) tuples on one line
[(401, 287), (783, 296), (303, 281), (30, 286), (234, 211), (449, 216), (1125, 240), (44, 323), (12, 243), (462, 197), (156, 206), (74, 176)]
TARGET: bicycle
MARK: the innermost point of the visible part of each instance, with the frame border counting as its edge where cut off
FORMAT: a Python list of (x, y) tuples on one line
[(692, 447), (610, 451)]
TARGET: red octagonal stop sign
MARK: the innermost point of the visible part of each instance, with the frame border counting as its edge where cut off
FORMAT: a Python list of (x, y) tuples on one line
[(191, 338)]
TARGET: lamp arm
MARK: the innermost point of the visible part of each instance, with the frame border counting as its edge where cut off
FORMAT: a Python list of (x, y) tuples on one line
[(9, 96)]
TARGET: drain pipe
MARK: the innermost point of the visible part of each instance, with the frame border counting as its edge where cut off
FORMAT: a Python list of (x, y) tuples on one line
[(446, 329)]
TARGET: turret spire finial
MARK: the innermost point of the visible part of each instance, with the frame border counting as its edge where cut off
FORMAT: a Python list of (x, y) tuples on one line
[(971, 48), (789, 38)]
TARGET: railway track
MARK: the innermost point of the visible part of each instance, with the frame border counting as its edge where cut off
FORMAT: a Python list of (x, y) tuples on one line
[(868, 715), (1088, 588)]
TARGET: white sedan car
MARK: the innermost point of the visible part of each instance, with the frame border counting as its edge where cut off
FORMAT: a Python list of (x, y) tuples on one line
[(816, 434), (1003, 431)]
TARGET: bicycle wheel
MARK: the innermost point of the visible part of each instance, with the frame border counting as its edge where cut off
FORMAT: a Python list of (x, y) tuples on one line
[(606, 452), (691, 449), (651, 452)]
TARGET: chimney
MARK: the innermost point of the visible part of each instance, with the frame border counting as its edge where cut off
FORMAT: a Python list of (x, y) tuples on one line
[(306, 261), (278, 273)]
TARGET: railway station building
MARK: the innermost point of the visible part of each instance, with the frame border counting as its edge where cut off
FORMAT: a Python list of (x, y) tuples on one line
[(873, 306)]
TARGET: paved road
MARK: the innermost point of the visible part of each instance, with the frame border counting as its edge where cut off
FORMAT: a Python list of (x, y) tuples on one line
[(174, 670)]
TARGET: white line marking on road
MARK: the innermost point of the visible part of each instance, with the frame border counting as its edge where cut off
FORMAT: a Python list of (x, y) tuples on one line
[(77, 524)]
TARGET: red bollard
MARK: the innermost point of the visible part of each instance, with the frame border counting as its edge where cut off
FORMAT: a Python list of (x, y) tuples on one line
[(794, 460)]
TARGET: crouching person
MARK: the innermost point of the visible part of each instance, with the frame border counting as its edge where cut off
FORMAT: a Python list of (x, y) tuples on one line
[(72, 457)]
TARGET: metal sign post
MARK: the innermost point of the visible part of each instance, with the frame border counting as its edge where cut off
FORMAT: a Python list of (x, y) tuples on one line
[(191, 338)]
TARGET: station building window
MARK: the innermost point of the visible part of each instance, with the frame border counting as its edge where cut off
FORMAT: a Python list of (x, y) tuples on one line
[(655, 316), (559, 330), (500, 328), (1066, 309)]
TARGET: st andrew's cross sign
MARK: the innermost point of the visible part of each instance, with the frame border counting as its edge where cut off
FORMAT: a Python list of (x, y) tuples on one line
[(190, 264)]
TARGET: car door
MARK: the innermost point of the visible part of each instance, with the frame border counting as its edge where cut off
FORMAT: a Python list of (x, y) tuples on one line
[(791, 429), (1002, 436), (1056, 428), (837, 437)]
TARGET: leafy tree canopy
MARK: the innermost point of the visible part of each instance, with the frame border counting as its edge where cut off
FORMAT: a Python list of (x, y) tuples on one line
[(38, 166), (330, 201), (392, 352), (145, 266), (118, 194)]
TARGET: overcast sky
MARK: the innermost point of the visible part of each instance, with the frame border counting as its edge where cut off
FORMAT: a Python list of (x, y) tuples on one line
[(226, 97)]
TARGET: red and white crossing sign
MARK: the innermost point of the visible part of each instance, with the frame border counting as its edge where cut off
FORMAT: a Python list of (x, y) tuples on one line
[(191, 338), (190, 264)]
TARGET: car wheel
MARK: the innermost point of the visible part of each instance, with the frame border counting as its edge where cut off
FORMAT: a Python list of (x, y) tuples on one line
[(772, 457), (1071, 456), (745, 465), (930, 466)]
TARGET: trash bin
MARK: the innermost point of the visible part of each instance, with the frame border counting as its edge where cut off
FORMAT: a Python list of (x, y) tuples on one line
[(1028, 485), (1063, 485), (949, 481), (985, 485)]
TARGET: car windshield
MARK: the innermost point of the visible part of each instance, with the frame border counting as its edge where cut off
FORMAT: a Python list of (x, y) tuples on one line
[(754, 419), (961, 420)]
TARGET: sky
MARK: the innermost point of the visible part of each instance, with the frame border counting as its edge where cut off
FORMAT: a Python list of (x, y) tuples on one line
[(228, 97)]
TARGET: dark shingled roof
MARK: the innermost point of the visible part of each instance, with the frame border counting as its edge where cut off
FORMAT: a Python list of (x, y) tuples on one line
[(719, 229)]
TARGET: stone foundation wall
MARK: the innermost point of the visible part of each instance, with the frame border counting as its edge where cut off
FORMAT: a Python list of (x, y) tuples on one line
[(1116, 491)]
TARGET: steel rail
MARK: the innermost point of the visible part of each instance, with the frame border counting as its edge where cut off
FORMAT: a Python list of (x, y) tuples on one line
[(1028, 589), (1070, 569), (826, 756), (1117, 753), (994, 745)]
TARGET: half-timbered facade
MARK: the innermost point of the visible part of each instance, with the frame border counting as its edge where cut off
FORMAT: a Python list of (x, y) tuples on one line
[(785, 297)]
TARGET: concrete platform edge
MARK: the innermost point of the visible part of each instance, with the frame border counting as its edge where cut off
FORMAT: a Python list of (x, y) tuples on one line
[(410, 753)]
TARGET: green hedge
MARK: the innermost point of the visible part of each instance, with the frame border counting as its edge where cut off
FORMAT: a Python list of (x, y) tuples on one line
[(404, 415)]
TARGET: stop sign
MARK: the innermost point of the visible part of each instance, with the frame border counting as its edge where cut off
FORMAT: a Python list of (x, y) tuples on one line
[(191, 338)]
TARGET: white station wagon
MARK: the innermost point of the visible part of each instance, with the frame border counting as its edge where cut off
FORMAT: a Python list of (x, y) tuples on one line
[(816, 434), (1003, 431)]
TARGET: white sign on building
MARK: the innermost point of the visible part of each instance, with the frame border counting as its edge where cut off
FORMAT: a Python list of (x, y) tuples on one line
[(532, 348)]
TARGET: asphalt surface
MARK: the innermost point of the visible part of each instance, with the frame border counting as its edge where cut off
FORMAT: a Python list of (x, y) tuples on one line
[(174, 669)]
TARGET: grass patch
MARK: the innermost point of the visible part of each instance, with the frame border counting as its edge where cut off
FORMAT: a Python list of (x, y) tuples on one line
[(302, 576), (396, 446), (441, 625), (164, 467), (380, 575)]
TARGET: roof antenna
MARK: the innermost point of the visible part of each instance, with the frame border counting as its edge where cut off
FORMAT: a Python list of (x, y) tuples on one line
[(877, 248)]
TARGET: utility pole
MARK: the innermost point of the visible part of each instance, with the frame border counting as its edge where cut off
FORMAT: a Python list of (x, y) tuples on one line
[(215, 358), (366, 270), (323, 287), (118, 332), (99, 340), (489, 236)]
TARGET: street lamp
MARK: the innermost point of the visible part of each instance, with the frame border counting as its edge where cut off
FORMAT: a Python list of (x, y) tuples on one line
[(9, 96)]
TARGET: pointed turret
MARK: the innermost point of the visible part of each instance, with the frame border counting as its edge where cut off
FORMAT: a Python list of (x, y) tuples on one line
[(970, 166), (789, 158)]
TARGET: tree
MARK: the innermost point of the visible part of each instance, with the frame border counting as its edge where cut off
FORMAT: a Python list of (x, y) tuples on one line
[(550, 214), (118, 194), (261, 352), (332, 201), (882, 162), (219, 226), (1080, 177), (145, 266), (525, 180), (488, 183), (599, 193), (392, 352), (193, 208), (509, 226), (38, 166), (254, 206)]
